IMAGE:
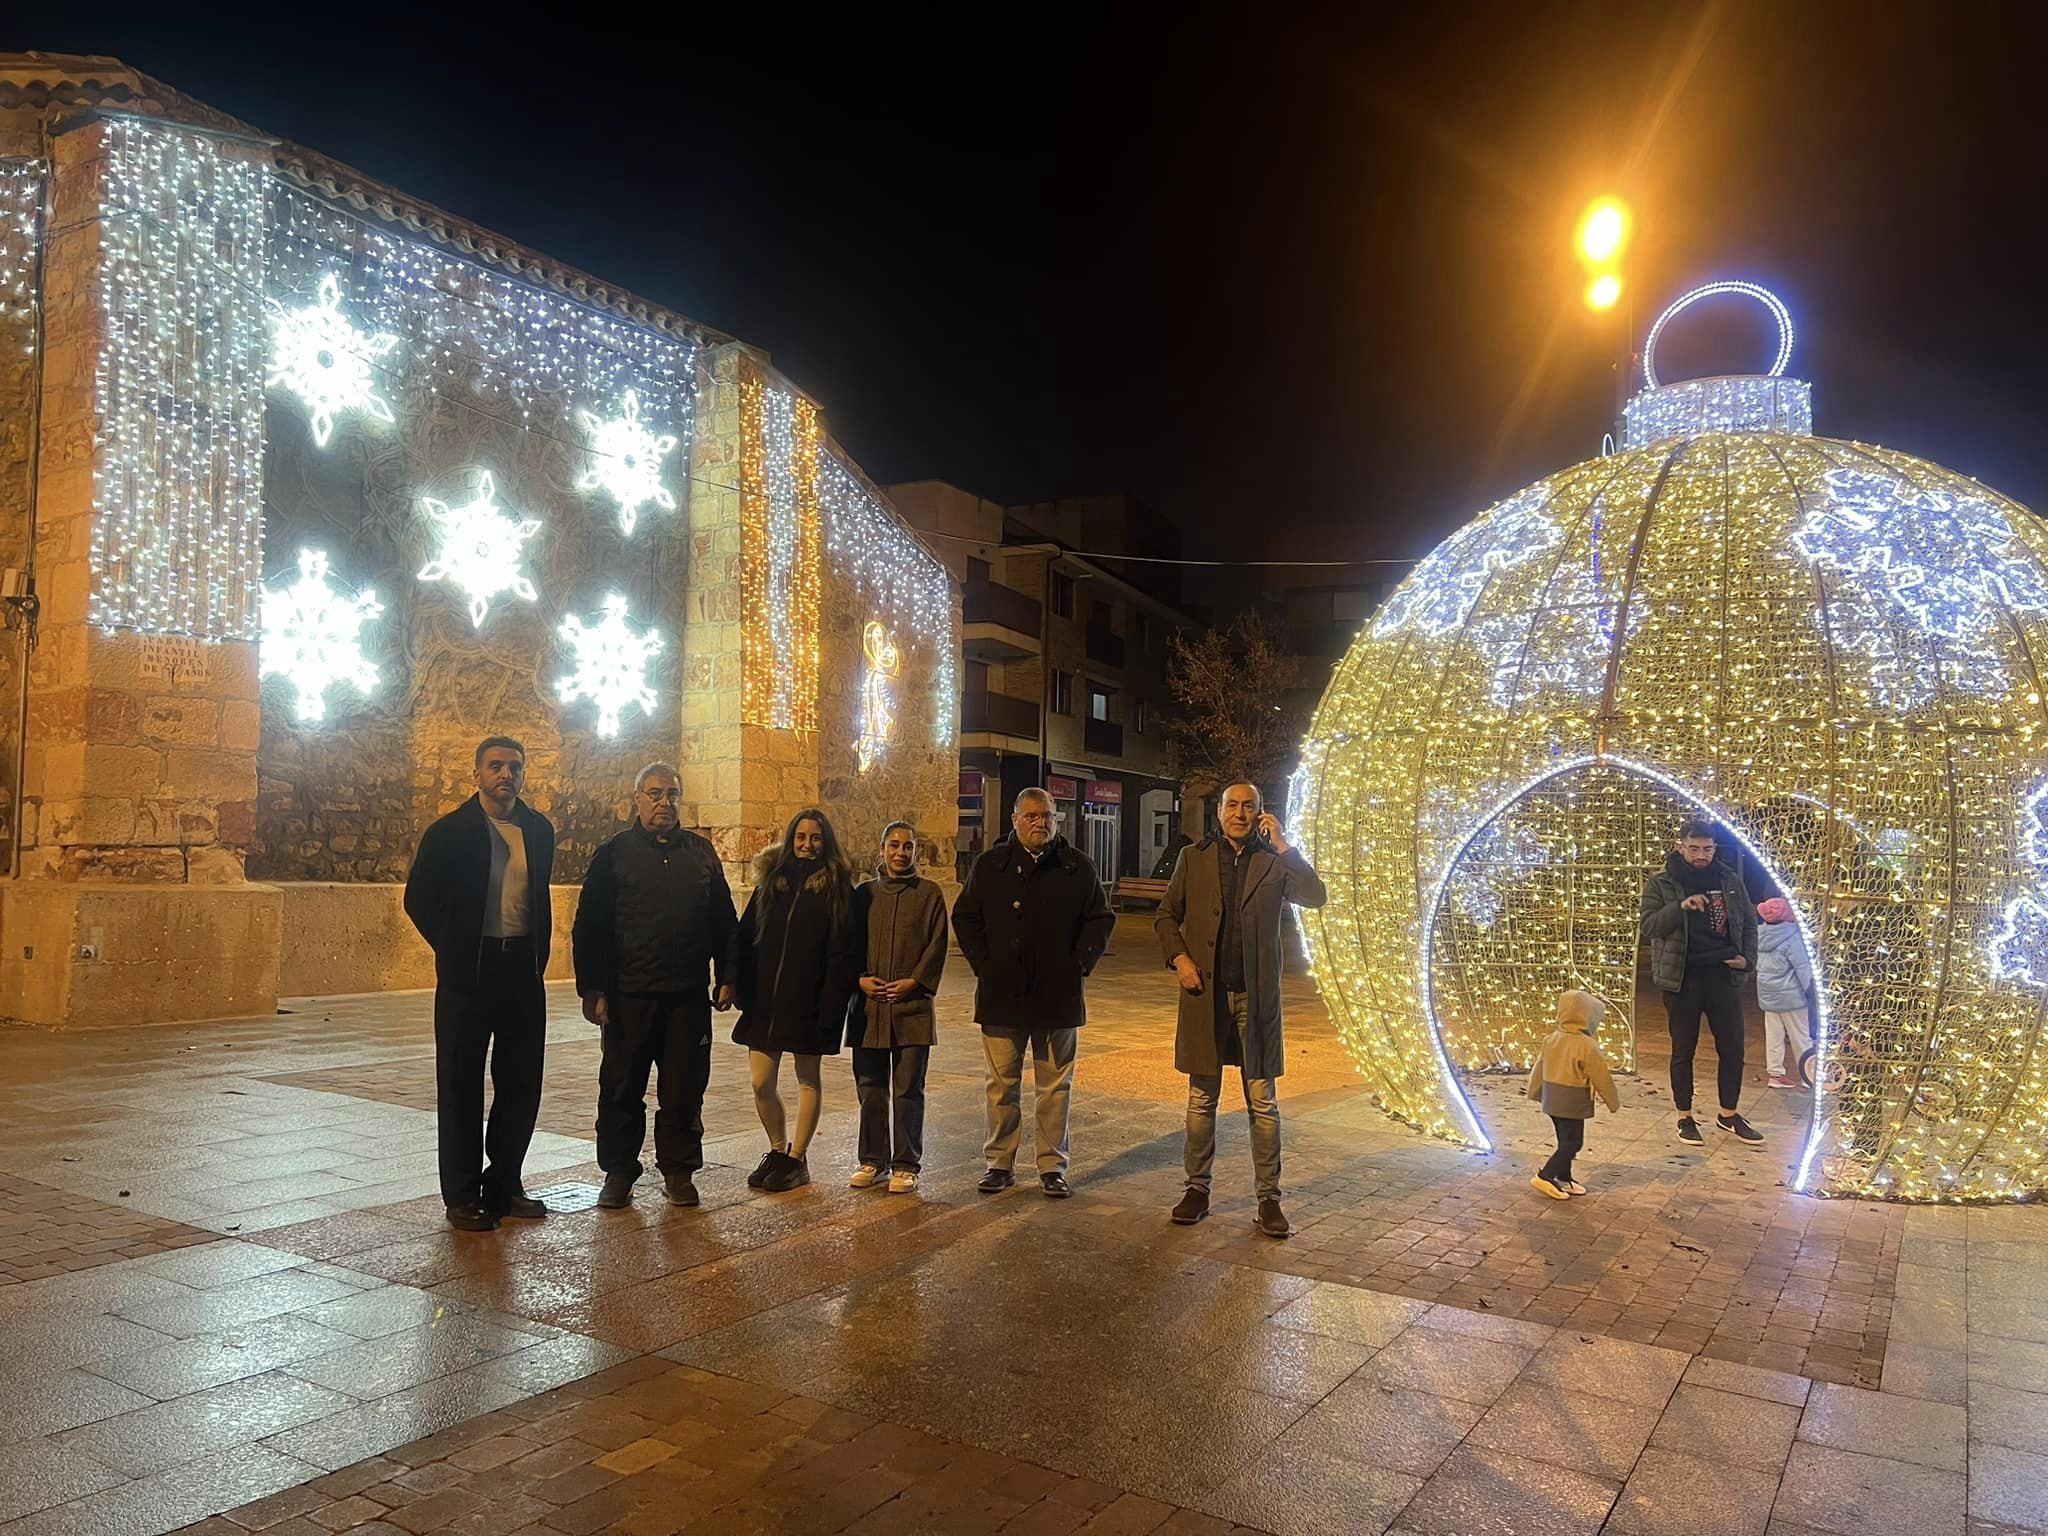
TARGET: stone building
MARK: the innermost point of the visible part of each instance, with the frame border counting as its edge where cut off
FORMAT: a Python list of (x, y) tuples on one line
[(1063, 665), (317, 484)]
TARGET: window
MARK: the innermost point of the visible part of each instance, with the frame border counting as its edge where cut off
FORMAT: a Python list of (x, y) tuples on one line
[(1063, 594), (1138, 718), (1350, 607), (1099, 617), (1141, 631), (977, 570), (1062, 693), (1098, 702)]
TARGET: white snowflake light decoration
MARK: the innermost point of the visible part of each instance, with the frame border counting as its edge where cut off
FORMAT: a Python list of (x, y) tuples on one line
[(627, 457), (1439, 594), (312, 636), (318, 354), (481, 549), (610, 664)]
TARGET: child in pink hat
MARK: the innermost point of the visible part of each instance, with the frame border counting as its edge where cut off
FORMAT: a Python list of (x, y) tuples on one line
[(1784, 989)]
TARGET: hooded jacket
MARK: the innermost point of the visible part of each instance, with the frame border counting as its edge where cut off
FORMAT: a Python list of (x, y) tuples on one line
[(903, 926), (1571, 1069), (1784, 971), (795, 961)]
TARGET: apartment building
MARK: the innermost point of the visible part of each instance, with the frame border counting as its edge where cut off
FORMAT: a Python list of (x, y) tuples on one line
[(1063, 666)]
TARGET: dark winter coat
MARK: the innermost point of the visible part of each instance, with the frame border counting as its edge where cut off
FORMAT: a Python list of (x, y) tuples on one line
[(654, 918), (1664, 925), (1189, 920), (904, 923), (1032, 932), (795, 962), (451, 875)]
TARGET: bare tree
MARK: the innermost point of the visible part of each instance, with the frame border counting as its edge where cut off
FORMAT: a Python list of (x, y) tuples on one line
[(1240, 712)]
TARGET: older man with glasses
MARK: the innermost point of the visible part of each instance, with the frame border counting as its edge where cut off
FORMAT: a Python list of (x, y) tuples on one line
[(1032, 922), (654, 920)]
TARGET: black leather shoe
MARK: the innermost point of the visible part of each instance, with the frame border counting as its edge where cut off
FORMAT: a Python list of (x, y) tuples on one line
[(995, 1181), (521, 1207), (1055, 1186), (680, 1190), (1271, 1220), (758, 1179), (471, 1218), (1194, 1205), (617, 1193)]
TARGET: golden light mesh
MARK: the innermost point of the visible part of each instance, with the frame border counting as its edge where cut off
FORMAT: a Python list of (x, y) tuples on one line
[(1827, 647), (780, 538)]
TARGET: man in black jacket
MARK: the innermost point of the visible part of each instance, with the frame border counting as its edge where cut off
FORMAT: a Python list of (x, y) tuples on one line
[(1032, 922), (654, 919), (478, 894)]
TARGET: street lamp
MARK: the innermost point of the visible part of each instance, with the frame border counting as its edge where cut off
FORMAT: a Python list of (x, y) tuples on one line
[(1602, 237)]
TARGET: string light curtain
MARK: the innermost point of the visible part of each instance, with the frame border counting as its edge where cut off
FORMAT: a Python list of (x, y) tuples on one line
[(178, 481), (21, 198), (1828, 647), (779, 549), (895, 579)]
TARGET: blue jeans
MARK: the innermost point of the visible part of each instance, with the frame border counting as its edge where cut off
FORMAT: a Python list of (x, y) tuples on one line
[(1261, 1105)]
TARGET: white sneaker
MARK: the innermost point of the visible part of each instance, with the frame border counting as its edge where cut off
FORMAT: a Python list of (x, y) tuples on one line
[(866, 1176), (902, 1182)]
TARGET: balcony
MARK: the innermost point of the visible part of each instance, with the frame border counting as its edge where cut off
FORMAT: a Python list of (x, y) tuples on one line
[(1103, 736), (1104, 648), (999, 624), (991, 715)]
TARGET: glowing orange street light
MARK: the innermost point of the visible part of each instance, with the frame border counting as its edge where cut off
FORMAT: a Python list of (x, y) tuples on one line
[(1603, 231), (1603, 291)]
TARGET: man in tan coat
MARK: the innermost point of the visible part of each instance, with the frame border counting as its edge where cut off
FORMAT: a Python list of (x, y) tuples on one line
[(1220, 931)]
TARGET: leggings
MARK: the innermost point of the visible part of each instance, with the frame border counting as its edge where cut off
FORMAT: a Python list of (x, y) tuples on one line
[(1571, 1140), (763, 1068)]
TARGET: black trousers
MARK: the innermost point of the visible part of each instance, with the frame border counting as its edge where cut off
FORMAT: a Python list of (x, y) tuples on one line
[(1711, 992), (671, 1035), (886, 1076), (1571, 1141), (506, 1018)]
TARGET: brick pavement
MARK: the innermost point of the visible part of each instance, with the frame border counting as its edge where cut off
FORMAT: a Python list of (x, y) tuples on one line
[(46, 1232), (1394, 1362)]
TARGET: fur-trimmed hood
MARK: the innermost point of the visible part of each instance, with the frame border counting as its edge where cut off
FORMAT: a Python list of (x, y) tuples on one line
[(768, 858)]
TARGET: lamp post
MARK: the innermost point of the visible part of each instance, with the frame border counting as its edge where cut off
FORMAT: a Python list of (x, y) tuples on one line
[(1602, 236)]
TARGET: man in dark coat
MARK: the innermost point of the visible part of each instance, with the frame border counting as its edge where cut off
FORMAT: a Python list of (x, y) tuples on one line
[(1701, 928), (1032, 922), (654, 920), (892, 1024), (1220, 930), (478, 894)]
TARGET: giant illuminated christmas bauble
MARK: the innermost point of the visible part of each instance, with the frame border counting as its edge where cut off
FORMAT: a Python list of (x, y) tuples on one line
[(1831, 649)]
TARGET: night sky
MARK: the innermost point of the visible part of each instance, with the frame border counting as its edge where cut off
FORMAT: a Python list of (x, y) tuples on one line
[(1305, 284)]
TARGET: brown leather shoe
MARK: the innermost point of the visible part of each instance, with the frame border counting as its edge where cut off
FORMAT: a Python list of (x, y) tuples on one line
[(1194, 1205), (1272, 1220)]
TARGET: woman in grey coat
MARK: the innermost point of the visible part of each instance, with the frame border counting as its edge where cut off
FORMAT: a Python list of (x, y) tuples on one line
[(902, 918)]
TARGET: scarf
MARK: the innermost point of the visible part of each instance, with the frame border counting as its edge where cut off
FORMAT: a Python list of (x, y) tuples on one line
[(1694, 882)]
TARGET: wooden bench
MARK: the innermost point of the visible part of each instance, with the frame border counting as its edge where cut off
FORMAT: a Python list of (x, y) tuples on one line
[(1130, 888)]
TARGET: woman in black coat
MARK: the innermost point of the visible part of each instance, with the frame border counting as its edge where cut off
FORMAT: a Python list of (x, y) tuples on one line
[(796, 961)]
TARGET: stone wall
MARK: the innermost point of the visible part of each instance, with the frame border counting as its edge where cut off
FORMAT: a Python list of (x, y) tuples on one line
[(20, 191)]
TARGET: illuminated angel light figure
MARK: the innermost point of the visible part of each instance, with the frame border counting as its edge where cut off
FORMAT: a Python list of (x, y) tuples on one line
[(1439, 594), (318, 354), (312, 636), (610, 664), (877, 704), (626, 461), (482, 549)]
